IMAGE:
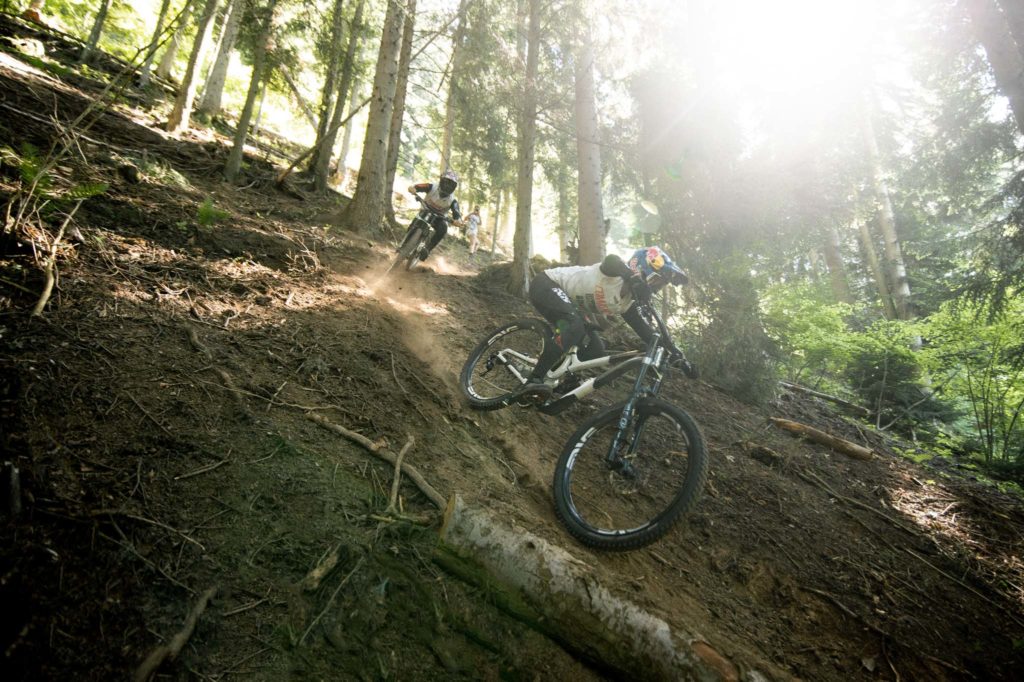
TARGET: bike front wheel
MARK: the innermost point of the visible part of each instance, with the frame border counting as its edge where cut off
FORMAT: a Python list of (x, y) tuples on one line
[(409, 249), (502, 362), (656, 474)]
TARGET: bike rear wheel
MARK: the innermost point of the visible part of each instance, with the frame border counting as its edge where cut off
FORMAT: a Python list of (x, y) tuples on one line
[(502, 362), (609, 507)]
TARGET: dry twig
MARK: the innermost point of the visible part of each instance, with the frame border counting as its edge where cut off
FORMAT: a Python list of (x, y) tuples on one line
[(414, 475), (171, 650)]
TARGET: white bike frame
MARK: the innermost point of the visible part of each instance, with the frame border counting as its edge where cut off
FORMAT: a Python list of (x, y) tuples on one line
[(571, 363)]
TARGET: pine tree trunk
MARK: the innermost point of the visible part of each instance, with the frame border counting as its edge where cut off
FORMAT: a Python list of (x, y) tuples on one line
[(326, 145), (214, 92), (330, 89), (341, 169), (497, 216), (453, 85), (877, 272), (94, 34), (894, 265), (263, 47), (993, 32), (153, 43), (836, 270), (591, 214), (366, 210), (398, 112), (171, 53), (520, 278), (563, 220), (182, 111)]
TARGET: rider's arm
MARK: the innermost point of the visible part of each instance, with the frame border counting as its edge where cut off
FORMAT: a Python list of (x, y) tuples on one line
[(613, 266), (638, 324), (420, 187)]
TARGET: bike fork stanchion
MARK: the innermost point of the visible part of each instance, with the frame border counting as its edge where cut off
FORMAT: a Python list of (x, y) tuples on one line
[(613, 459)]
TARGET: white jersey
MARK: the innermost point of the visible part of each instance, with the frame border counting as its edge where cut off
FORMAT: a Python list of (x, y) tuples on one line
[(436, 202), (592, 290)]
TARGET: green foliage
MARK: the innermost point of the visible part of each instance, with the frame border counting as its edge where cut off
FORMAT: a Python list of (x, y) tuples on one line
[(732, 348), (810, 330), (980, 357), (37, 177), (209, 215), (889, 376)]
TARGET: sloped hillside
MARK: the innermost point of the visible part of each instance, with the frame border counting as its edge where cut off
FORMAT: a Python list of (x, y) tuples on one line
[(166, 416)]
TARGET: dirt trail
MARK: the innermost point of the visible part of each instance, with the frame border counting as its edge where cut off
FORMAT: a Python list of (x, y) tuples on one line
[(159, 417)]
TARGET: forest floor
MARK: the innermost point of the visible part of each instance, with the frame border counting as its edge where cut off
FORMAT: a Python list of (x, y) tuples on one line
[(159, 413)]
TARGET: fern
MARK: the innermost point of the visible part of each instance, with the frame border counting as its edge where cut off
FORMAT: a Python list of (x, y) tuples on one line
[(85, 190), (209, 215)]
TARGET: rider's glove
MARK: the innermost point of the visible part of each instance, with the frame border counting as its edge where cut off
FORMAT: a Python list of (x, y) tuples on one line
[(641, 291), (676, 359)]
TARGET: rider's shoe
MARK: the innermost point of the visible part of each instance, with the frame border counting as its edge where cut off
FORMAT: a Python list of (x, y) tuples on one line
[(569, 383), (530, 394), (424, 252)]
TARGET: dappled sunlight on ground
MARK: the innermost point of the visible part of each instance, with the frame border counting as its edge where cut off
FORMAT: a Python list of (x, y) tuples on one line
[(958, 526)]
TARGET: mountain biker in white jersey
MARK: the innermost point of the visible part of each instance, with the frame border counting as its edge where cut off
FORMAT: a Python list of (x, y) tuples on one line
[(600, 290), (440, 198)]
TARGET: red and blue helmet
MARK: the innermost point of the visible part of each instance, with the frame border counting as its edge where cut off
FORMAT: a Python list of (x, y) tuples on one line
[(656, 267)]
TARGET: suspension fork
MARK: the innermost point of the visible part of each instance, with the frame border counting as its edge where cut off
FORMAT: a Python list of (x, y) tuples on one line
[(613, 459)]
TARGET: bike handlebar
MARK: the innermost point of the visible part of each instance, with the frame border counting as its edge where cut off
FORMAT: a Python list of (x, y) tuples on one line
[(427, 207)]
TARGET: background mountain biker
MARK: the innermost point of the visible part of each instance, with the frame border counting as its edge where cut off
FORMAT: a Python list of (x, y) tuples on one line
[(439, 197), (472, 228), (570, 296)]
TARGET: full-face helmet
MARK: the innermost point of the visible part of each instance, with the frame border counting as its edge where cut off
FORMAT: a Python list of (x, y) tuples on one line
[(448, 182), (656, 268)]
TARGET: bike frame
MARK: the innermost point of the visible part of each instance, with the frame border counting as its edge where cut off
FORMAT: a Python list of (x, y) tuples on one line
[(620, 363)]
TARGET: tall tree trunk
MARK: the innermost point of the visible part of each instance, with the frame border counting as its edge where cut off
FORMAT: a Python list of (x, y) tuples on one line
[(214, 92), (836, 270), (326, 145), (520, 279), (563, 220), (1014, 11), (182, 111), (259, 108), (867, 243), (147, 65), (453, 86), (94, 34), (398, 112), (330, 90), (993, 32), (497, 216), (264, 46), (366, 210), (591, 214), (166, 64), (894, 266), (341, 169)]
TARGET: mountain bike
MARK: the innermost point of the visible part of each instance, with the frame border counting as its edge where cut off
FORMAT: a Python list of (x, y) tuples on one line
[(419, 234), (630, 471)]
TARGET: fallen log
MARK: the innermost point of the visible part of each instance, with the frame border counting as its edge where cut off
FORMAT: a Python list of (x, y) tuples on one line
[(550, 590), (797, 388), (839, 444)]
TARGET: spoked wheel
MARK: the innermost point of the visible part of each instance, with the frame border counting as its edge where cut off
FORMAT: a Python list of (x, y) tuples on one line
[(408, 250), (502, 362), (656, 475)]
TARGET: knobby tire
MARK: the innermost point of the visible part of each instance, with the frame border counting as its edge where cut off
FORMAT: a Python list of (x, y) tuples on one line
[(608, 511), (534, 332)]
